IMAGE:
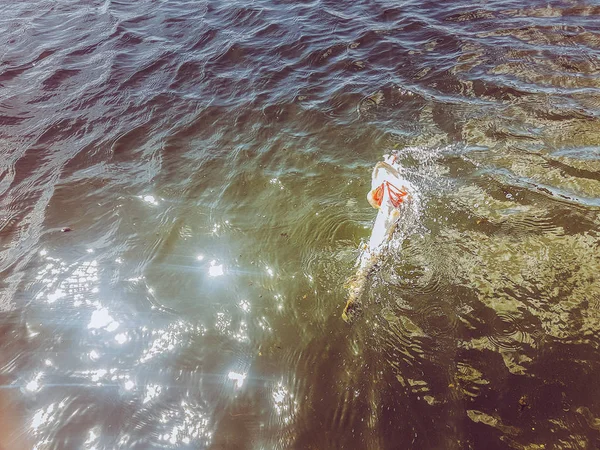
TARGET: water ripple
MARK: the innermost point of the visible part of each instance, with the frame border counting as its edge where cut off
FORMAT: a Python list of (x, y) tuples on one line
[(182, 195)]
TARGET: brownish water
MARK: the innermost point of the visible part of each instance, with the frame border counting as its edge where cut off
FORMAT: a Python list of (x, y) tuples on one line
[(212, 159)]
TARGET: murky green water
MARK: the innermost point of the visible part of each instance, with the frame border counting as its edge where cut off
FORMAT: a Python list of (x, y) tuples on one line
[(212, 162)]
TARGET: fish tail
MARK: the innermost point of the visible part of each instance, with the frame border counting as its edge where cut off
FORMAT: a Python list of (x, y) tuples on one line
[(356, 287), (351, 309)]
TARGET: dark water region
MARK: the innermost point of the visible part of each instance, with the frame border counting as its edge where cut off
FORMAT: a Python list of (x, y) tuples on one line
[(212, 160)]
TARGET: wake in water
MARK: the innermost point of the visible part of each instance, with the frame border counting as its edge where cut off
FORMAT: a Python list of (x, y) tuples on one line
[(397, 202)]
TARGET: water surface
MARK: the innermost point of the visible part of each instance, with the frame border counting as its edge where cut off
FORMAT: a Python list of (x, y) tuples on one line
[(211, 160)]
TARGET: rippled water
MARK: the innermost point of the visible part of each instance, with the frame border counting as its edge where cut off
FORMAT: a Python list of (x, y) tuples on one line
[(211, 160)]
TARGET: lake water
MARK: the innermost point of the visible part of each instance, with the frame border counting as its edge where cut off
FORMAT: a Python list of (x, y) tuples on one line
[(211, 160)]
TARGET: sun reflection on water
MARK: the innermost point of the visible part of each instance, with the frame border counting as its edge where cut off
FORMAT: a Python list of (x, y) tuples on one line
[(42, 416), (93, 439), (150, 199), (245, 305), (34, 385), (215, 270), (238, 378), (188, 423), (284, 403), (102, 319), (165, 342), (152, 391), (116, 354)]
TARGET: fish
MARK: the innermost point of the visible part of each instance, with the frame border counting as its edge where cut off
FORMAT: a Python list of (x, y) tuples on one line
[(391, 194)]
